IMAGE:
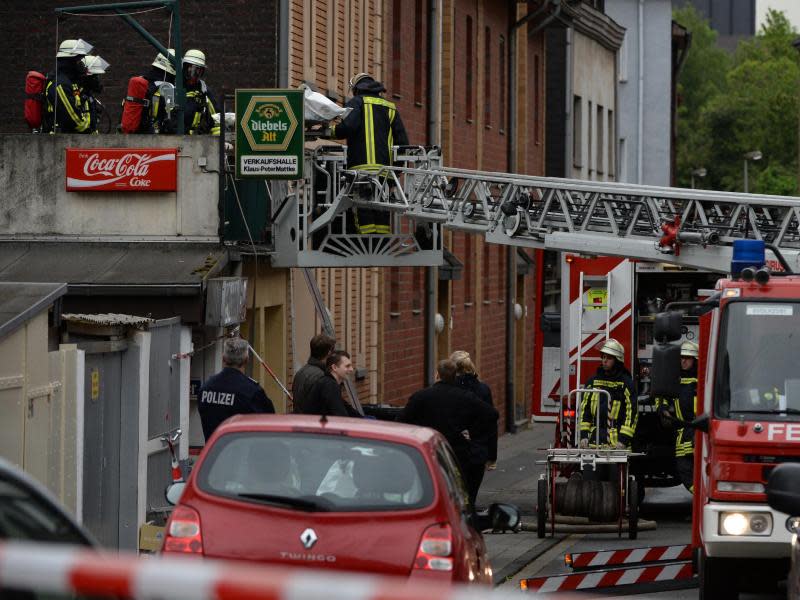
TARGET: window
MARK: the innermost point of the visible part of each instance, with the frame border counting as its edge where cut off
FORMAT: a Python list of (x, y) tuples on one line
[(577, 132), (601, 147), (486, 271), (397, 47), (418, 284), (623, 161), (622, 59), (313, 472), (537, 127), (452, 476), (469, 268), (419, 54), (589, 137), (469, 96), (610, 158), (487, 79), (502, 52)]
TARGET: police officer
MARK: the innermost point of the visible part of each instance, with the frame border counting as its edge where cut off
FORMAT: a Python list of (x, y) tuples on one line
[(67, 107), (677, 412), (371, 129), (231, 392), (618, 421)]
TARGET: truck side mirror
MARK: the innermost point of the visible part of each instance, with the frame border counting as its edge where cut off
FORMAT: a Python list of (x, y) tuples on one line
[(665, 372), (667, 326), (783, 488)]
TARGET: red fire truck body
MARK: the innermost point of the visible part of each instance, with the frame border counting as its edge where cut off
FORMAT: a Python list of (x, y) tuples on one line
[(749, 389)]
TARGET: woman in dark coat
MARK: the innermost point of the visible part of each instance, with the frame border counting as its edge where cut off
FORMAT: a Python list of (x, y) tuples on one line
[(483, 449)]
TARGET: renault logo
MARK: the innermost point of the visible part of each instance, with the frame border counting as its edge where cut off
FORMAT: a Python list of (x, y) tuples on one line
[(309, 538)]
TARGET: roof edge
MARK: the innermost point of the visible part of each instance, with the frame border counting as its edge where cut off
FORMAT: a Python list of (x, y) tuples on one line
[(34, 309)]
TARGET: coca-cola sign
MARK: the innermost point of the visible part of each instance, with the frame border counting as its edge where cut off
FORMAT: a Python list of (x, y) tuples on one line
[(122, 169)]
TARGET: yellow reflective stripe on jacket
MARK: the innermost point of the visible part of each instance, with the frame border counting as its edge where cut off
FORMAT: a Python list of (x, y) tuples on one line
[(81, 123), (367, 167), (369, 130), (629, 426), (379, 101), (392, 112)]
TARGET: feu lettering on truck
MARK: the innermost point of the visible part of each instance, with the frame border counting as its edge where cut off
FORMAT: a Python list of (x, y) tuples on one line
[(789, 432)]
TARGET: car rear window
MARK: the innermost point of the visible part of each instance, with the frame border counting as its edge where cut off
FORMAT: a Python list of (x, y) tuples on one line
[(317, 472)]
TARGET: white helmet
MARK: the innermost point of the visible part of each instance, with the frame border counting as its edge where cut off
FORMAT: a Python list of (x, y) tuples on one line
[(613, 348), (95, 65), (194, 57), (359, 77), (70, 48), (161, 62), (689, 349)]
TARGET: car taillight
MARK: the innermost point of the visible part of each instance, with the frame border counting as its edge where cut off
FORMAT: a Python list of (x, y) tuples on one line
[(435, 549), (183, 534), (569, 414)]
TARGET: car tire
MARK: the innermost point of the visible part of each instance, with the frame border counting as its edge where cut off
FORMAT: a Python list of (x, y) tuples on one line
[(715, 579), (541, 508)]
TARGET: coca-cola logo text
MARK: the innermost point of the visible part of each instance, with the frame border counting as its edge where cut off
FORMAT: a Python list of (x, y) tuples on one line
[(121, 169)]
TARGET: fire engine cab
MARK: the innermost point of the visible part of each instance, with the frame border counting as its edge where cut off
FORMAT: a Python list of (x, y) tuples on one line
[(749, 422)]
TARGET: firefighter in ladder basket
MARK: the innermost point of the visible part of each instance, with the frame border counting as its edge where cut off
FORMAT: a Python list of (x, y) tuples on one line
[(371, 129)]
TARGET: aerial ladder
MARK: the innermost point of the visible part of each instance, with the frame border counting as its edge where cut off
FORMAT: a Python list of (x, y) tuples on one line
[(688, 227)]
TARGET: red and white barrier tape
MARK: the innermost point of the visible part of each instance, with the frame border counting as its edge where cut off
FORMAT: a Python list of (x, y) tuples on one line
[(608, 578), (60, 569), (627, 556)]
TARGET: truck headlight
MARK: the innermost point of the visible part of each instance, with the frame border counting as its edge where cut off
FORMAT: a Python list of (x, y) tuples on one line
[(744, 487), (745, 523)]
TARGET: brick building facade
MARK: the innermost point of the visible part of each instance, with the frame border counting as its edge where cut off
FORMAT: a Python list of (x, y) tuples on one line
[(240, 40)]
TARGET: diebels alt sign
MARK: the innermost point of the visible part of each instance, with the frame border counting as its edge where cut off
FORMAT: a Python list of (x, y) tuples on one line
[(269, 134), (122, 169)]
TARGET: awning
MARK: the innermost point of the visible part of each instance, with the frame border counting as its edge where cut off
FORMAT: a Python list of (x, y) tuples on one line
[(20, 302), (143, 268)]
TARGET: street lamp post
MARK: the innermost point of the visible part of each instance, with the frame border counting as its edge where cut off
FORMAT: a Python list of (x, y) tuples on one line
[(748, 156), (698, 172)]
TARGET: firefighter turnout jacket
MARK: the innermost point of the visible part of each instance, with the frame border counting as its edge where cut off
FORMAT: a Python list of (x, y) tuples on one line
[(372, 128), (200, 109), (683, 408), (230, 392), (617, 422), (68, 108)]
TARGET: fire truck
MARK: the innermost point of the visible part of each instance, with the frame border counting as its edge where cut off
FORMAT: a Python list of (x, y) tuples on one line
[(749, 421)]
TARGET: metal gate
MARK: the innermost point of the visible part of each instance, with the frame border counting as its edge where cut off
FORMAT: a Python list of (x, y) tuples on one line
[(168, 407), (102, 448)]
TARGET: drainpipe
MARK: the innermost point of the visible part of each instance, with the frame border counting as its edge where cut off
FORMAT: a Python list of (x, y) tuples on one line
[(640, 125), (511, 256), (434, 83)]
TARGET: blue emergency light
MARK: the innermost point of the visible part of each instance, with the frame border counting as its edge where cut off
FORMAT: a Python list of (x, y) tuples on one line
[(747, 253)]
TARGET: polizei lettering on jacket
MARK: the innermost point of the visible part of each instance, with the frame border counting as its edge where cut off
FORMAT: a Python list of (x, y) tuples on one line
[(218, 398)]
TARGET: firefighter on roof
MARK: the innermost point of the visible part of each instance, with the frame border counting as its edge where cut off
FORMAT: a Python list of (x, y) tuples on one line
[(618, 421), (676, 412), (68, 108), (95, 66), (200, 103), (371, 129)]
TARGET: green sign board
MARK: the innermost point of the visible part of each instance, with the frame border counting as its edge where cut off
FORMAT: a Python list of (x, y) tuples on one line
[(269, 134)]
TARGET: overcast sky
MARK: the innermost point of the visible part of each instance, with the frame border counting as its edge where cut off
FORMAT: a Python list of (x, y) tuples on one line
[(790, 7)]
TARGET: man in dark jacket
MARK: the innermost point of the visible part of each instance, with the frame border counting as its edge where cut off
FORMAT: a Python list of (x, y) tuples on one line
[(231, 392), (371, 129), (307, 375), (451, 410), (326, 395)]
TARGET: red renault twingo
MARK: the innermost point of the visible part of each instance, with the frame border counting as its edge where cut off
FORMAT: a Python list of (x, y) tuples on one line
[(348, 494)]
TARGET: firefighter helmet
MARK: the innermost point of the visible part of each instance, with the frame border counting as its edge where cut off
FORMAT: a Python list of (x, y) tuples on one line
[(73, 48), (613, 348), (94, 65), (355, 79), (195, 57), (689, 349), (161, 62)]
